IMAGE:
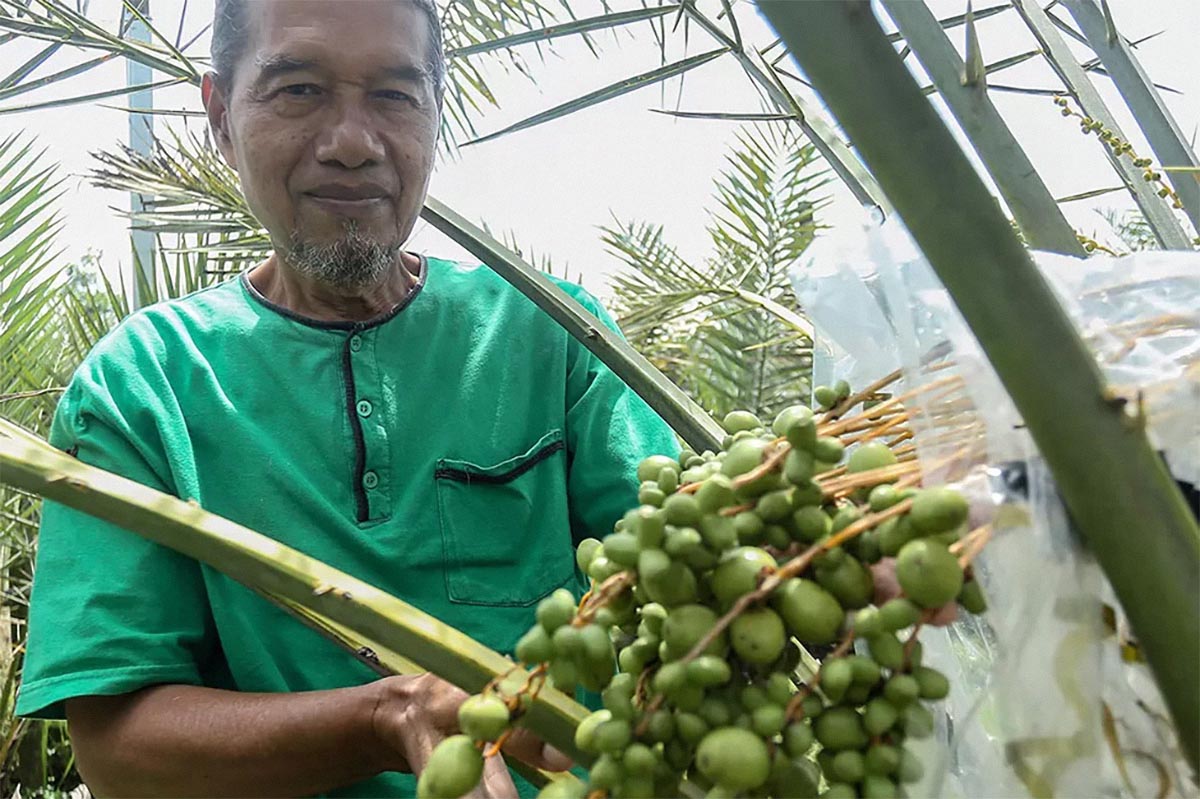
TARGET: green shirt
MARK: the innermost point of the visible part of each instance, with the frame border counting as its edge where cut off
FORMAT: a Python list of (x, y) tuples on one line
[(450, 453)]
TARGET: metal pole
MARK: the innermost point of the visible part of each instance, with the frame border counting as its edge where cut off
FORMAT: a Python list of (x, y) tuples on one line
[(141, 141)]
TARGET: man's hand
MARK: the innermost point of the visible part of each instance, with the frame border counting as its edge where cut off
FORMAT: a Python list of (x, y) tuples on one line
[(416, 713)]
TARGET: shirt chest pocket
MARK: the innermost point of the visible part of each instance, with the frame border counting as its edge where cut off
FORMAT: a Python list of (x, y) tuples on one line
[(505, 529)]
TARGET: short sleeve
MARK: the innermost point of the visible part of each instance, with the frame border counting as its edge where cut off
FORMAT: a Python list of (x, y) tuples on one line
[(110, 612), (610, 429)]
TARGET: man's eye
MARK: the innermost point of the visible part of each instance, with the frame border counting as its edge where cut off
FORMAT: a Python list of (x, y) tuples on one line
[(301, 90), (394, 94)]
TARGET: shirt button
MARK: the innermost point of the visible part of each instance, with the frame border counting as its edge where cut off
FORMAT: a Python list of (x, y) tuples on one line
[(364, 408), (355, 343), (370, 480)]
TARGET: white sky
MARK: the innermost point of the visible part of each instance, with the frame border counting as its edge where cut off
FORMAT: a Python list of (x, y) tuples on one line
[(553, 185)]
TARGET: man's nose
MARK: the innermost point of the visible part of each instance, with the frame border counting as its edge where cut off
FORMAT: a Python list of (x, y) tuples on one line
[(350, 140)]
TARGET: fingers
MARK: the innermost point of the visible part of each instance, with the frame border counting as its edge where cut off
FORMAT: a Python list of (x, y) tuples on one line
[(528, 748), (413, 713)]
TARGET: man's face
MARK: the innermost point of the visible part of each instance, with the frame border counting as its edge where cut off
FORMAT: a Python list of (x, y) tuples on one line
[(331, 122)]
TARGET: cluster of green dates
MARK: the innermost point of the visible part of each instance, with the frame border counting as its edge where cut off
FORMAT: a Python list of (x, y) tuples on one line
[(736, 718)]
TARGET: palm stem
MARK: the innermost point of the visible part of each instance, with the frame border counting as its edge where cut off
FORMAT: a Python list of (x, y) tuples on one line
[(261, 563)]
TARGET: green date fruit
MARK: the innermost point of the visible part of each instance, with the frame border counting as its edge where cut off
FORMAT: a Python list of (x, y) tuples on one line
[(556, 610), (901, 690), (584, 553), (887, 650), (868, 456), (734, 758), (686, 625), (847, 766), (825, 396), (714, 493), (708, 671), (879, 716), (736, 421), (898, 613), (938, 510), (665, 581), (840, 728), (812, 523), (877, 787), (742, 457), (928, 573), (836, 677), (649, 469), (828, 449), (566, 787), (758, 636), (738, 573), (585, 733), (535, 646), (810, 612), (882, 760), (849, 581), (972, 598), (454, 768), (483, 718), (681, 510), (798, 738), (931, 683)]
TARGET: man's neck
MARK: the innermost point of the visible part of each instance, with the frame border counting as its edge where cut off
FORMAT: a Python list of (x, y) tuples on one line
[(313, 299)]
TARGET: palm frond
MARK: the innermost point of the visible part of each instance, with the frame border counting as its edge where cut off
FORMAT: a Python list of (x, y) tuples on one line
[(32, 367), (726, 330), (57, 22), (192, 203), (1131, 228)]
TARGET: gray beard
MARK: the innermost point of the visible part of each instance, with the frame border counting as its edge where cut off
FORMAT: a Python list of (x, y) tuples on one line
[(353, 261)]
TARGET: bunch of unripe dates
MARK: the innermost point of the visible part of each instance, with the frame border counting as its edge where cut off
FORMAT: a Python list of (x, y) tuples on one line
[(705, 602)]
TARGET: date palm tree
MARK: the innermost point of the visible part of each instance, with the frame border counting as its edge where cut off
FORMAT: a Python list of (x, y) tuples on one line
[(723, 329)]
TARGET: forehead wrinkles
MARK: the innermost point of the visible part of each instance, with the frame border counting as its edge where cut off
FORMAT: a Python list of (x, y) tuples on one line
[(342, 34)]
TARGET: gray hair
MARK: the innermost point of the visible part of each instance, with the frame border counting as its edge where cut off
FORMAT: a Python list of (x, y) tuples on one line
[(229, 41)]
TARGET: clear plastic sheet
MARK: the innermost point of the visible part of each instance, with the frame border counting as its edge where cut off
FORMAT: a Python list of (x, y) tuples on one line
[(1049, 698)]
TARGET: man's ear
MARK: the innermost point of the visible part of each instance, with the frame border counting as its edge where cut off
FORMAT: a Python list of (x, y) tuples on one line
[(215, 105)]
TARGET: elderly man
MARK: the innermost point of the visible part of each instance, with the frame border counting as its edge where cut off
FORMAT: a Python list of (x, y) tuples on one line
[(412, 421)]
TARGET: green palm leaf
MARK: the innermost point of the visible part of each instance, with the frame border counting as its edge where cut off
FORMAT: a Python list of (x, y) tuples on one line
[(726, 330), (608, 92), (602, 22)]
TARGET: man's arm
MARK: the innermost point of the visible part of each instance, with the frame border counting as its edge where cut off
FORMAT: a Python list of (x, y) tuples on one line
[(182, 740)]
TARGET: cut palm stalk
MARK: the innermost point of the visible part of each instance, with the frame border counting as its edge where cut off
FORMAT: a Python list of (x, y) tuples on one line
[(265, 565)]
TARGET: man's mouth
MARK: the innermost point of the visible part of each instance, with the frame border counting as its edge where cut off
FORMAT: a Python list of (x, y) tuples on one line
[(343, 198)]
